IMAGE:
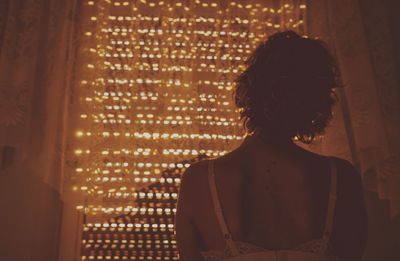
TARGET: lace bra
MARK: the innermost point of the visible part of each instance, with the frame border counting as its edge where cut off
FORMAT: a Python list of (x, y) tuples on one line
[(235, 250)]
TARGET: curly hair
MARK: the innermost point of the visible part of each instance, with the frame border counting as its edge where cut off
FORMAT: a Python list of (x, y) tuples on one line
[(287, 87)]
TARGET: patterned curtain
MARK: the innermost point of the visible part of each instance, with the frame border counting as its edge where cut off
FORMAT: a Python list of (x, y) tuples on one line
[(368, 117), (35, 64), (36, 58)]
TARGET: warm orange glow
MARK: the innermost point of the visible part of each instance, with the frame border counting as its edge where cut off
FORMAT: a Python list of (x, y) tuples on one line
[(155, 90)]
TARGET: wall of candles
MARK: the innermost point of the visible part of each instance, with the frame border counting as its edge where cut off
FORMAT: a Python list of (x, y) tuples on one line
[(153, 94)]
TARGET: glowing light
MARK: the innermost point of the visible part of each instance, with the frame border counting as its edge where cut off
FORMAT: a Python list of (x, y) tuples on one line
[(155, 92)]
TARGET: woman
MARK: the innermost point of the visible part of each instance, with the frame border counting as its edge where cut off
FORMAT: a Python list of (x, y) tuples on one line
[(269, 199)]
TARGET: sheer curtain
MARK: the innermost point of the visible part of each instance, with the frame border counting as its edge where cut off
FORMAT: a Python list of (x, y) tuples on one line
[(36, 50), (362, 33), (35, 68)]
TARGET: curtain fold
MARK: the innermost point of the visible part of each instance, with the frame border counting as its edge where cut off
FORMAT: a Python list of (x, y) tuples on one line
[(36, 59), (359, 33)]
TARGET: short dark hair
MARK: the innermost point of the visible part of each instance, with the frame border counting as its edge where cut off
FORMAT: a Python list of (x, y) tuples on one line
[(287, 86)]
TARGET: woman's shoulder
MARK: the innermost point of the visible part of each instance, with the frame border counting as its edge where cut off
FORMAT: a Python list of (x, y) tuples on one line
[(350, 233), (343, 166), (194, 174), (347, 172), (199, 169), (348, 176), (194, 181), (196, 171)]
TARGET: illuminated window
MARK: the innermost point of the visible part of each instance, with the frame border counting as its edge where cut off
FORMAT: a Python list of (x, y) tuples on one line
[(154, 93)]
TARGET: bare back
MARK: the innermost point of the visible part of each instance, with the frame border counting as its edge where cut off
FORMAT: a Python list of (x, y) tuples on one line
[(273, 198)]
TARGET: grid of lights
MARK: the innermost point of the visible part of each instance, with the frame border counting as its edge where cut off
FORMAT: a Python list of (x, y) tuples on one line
[(155, 89), (143, 232)]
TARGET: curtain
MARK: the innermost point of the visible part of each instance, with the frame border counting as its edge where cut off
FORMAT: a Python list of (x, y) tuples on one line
[(363, 37), (35, 69), (37, 46), (359, 33)]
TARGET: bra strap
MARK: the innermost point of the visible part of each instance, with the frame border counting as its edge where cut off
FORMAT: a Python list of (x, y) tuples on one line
[(218, 210), (331, 207)]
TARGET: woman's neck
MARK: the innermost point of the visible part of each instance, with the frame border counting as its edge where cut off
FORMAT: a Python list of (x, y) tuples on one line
[(272, 139)]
